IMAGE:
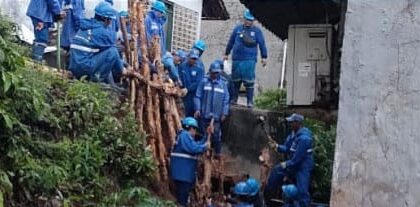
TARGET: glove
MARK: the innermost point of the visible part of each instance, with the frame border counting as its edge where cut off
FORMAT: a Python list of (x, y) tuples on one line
[(272, 144), (264, 62), (283, 165), (197, 114)]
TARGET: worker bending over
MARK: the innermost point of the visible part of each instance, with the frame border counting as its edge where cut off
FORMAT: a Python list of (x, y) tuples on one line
[(244, 41), (212, 102), (190, 73), (171, 62), (93, 52), (183, 164), (300, 161)]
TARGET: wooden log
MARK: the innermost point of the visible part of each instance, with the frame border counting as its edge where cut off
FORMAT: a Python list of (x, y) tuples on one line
[(141, 7)]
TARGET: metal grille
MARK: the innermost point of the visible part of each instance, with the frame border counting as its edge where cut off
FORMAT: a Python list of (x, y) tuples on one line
[(185, 28)]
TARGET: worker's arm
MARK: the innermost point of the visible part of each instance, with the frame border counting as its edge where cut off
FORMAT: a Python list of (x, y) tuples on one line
[(54, 6), (225, 100), (285, 147), (168, 62), (78, 13), (198, 95), (261, 44), (191, 146), (303, 145), (231, 42)]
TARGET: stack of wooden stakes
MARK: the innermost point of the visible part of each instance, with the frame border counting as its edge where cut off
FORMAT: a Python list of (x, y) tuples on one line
[(154, 100)]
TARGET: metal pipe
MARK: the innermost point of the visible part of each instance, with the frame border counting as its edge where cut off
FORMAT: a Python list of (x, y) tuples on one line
[(283, 65)]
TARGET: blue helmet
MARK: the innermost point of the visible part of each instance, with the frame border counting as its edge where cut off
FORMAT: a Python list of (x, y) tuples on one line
[(189, 122), (105, 9), (220, 62), (110, 1), (159, 6), (124, 13), (215, 67), (290, 191), (241, 189), (195, 54), (200, 44), (253, 185), (248, 15)]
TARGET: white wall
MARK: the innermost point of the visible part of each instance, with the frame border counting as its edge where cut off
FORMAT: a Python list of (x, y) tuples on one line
[(377, 161)]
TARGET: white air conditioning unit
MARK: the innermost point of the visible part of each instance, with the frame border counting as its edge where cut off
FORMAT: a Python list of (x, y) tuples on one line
[(308, 63)]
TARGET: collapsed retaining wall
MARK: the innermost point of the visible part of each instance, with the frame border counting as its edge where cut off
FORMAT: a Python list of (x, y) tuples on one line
[(377, 160)]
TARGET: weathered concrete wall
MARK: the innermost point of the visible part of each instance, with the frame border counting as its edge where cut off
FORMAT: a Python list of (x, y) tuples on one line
[(377, 160), (216, 34)]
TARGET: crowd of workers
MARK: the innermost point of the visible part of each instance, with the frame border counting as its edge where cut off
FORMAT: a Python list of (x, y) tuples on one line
[(93, 48)]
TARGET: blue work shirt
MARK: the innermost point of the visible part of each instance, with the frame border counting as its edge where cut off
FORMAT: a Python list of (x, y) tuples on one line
[(44, 10), (93, 51), (155, 26), (212, 98), (168, 63), (298, 147), (242, 52), (75, 12), (184, 156)]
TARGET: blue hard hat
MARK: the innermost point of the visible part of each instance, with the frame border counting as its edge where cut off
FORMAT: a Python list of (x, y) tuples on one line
[(241, 188), (200, 44), (290, 191), (189, 122), (248, 15), (295, 118), (253, 185), (182, 54), (124, 13), (194, 54), (215, 67), (220, 62), (159, 6), (110, 1), (105, 9)]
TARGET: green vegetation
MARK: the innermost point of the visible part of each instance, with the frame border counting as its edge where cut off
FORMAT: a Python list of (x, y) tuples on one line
[(324, 141), (66, 139), (271, 99)]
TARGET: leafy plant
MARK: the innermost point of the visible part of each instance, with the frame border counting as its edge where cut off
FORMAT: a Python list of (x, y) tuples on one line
[(272, 99)]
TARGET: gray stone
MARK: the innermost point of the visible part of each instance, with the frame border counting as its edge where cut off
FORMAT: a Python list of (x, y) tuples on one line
[(377, 160)]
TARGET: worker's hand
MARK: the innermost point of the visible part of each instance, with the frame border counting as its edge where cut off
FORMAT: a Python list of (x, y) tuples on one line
[(197, 114), (264, 62), (209, 202), (226, 57), (184, 92), (39, 26), (272, 144), (283, 165), (223, 118), (210, 130)]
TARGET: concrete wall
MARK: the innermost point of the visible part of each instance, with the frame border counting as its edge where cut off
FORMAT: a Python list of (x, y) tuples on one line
[(216, 34), (377, 159)]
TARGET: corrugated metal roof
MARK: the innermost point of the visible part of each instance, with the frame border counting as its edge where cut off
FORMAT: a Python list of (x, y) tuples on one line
[(277, 15)]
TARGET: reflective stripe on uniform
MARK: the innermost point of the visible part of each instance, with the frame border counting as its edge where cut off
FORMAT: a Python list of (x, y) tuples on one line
[(207, 88), (68, 6), (41, 43), (175, 154), (220, 90), (308, 151), (83, 48), (81, 38)]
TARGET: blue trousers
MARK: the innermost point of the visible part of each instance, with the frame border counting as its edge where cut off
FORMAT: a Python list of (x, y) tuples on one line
[(189, 104), (302, 176), (41, 40), (182, 192), (243, 71), (216, 138)]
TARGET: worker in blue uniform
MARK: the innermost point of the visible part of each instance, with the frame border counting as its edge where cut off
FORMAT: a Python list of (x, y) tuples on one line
[(243, 43), (171, 62), (154, 22), (43, 13), (75, 11), (212, 102), (300, 162), (93, 52), (241, 192), (190, 74), (183, 163)]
